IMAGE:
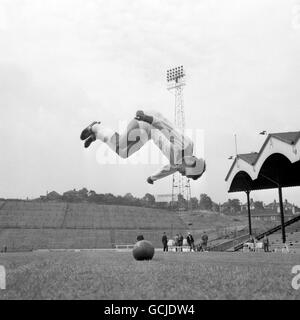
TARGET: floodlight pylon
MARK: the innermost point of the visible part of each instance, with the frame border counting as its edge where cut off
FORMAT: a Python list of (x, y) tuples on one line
[(176, 82)]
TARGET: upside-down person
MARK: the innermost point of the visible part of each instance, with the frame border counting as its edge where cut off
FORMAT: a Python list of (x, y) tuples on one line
[(177, 147)]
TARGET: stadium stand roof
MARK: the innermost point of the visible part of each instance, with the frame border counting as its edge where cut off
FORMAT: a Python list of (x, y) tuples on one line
[(276, 165)]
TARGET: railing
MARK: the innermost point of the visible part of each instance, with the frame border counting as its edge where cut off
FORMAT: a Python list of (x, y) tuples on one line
[(270, 231), (184, 248), (229, 243), (123, 246)]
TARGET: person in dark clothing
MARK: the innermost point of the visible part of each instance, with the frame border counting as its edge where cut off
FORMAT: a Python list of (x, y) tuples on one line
[(190, 241), (266, 244), (180, 241), (253, 240), (164, 241), (204, 239), (139, 237)]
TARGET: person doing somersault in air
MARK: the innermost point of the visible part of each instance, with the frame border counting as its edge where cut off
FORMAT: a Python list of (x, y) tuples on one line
[(150, 125)]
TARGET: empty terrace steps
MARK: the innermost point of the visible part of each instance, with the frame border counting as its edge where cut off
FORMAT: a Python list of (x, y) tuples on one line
[(119, 217), (30, 214), (31, 239), (31, 225)]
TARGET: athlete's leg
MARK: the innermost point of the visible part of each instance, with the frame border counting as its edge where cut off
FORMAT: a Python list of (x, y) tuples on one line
[(181, 145), (127, 143), (171, 132), (164, 144)]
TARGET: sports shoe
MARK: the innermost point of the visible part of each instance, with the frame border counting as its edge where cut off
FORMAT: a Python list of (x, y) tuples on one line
[(141, 116), (89, 140), (88, 131)]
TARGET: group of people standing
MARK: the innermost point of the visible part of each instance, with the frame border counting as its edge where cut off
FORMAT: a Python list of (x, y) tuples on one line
[(254, 246), (190, 241), (178, 241)]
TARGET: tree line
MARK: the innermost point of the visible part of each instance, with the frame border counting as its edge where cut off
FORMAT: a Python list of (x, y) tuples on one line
[(204, 202)]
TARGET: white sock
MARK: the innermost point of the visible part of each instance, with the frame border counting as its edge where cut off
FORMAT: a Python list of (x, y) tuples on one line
[(102, 133)]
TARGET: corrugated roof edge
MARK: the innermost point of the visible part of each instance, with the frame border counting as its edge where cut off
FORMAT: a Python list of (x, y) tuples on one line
[(278, 136)]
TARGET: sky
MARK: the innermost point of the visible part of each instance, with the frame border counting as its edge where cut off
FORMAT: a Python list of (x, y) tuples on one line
[(66, 63)]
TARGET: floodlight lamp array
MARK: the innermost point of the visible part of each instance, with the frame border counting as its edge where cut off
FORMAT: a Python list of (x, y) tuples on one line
[(175, 74)]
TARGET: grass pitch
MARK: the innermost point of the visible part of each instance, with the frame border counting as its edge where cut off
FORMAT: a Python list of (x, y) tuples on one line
[(116, 275)]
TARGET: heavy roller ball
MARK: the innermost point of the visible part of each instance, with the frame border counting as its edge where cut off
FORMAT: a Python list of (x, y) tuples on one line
[(143, 250)]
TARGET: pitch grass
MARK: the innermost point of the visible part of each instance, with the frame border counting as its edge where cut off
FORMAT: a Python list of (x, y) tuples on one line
[(116, 275)]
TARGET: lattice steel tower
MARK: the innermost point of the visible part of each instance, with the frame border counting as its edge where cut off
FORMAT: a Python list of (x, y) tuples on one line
[(175, 82)]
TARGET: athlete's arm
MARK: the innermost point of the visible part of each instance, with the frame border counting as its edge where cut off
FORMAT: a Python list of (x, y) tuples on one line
[(162, 173)]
